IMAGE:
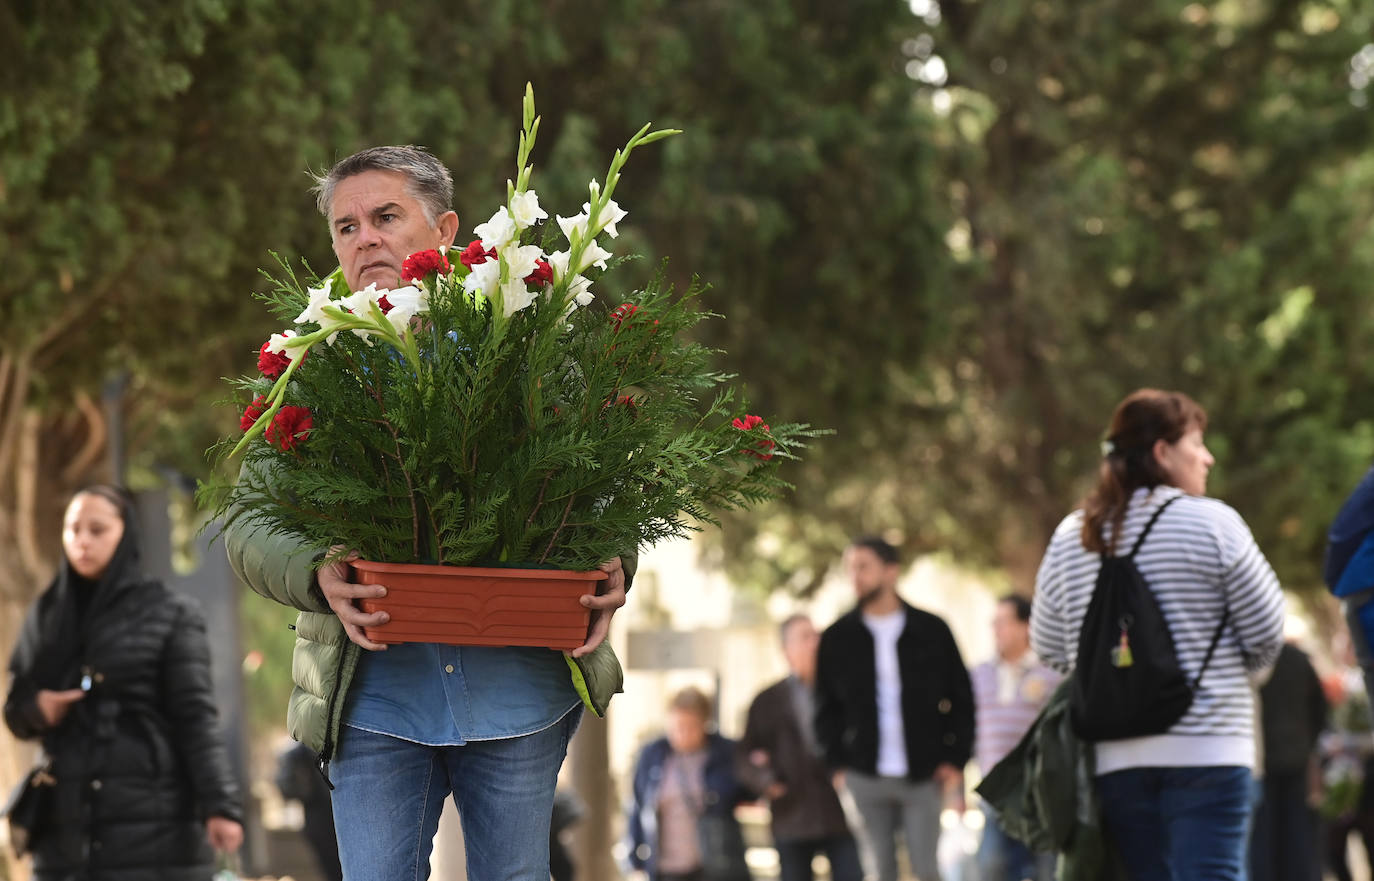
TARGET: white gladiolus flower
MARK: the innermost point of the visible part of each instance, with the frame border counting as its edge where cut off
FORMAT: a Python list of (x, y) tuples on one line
[(577, 223), (360, 304), (484, 278), (525, 210), (497, 232), (594, 255), (314, 311), (276, 344), (558, 260), (515, 296), (319, 298), (610, 210), (521, 261), (405, 303), (581, 291)]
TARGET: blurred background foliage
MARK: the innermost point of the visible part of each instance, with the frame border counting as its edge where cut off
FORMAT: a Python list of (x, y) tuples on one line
[(955, 232)]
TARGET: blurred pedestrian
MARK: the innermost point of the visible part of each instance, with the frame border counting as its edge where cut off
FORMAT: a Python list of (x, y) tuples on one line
[(112, 674), (894, 713), (780, 758), (1349, 570), (1293, 714), (1009, 692), (1175, 805), (567, 810), (299, 779), (681, 824), (1347, 762)]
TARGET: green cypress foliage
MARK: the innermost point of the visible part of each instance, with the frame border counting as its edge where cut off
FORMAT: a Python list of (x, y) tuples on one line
[(547, 438)]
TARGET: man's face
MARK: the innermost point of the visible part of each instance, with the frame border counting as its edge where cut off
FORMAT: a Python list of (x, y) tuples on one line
[(799, 647), (869, 574), (1010, 634), (376, 224)]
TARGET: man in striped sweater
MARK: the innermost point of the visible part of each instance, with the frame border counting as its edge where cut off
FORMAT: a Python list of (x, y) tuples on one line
[(1008, 692)]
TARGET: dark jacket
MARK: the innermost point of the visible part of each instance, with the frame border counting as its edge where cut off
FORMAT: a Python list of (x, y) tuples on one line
[(809, 809), (1045, 795), (722, 792), (140, 763), (1293, 710), (937, 697)]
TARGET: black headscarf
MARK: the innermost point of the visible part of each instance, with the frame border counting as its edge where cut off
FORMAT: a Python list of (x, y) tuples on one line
[(71, 601)]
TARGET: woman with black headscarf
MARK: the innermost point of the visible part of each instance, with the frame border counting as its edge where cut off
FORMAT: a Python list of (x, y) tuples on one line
[(112, 673)]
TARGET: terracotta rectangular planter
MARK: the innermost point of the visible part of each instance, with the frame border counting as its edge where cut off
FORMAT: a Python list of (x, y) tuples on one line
[(460, 605)]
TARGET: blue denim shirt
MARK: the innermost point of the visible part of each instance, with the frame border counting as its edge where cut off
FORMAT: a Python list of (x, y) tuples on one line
[(444, 695)]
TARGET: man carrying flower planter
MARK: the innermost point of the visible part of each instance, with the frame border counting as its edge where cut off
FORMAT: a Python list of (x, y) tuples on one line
[(399, 727)]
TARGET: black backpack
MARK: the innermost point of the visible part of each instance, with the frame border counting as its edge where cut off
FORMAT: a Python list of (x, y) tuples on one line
[(1127, 681)]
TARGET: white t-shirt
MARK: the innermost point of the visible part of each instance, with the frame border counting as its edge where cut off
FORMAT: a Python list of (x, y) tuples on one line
[(891, 732)]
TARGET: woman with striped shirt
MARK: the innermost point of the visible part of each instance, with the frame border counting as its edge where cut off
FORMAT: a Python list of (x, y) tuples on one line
[(1176, 805)]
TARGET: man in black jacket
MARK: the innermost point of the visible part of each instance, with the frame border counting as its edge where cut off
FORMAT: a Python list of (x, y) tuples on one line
[(894, 712), (779, 757)]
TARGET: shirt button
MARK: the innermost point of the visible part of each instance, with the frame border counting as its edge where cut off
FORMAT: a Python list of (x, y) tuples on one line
[(448, 668), (96, 784), (945, 706), (949, 740)]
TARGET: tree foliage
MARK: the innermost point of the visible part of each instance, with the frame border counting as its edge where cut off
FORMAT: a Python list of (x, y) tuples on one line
[(1172, 195), (961, 277)]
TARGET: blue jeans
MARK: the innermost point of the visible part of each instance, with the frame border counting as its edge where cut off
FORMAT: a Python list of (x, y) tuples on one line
[(1178, 824), (388, 794), (1003, 858)]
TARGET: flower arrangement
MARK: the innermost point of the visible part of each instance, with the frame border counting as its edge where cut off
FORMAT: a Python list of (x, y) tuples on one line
[(501, 407)]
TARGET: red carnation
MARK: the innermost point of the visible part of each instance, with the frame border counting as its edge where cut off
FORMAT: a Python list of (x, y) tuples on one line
[(271, 365), (419, 265), (384, 304), (622, 313), (627, 401), (542, 275), (252, 413), (289, 427), (749, 423), (474, 253)]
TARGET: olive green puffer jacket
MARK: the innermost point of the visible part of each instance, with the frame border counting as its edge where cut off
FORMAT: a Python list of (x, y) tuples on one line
[(1045, 795), (324, 660)]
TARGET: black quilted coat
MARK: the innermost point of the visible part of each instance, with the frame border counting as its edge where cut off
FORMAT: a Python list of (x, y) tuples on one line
[(140, 762)]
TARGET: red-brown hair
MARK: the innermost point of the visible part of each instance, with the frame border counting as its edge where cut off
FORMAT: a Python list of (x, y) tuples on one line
[(1145, 417)]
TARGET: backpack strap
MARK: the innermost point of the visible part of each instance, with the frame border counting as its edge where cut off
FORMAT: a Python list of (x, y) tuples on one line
[(1211, 649), (1148, 526)]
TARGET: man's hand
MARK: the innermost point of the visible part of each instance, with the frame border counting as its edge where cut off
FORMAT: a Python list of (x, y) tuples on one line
[(223, 834), (54, 705), (951, 781), (610, 595), (340, 594), (837, 781)]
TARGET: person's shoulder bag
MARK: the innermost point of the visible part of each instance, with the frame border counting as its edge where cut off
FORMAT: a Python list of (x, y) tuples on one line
[(29, 807)]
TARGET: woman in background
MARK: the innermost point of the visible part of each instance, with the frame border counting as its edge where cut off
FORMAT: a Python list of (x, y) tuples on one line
[(1175, 805), (112, 674)]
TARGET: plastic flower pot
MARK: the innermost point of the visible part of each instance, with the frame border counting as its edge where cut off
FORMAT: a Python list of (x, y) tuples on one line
[(461, 605)]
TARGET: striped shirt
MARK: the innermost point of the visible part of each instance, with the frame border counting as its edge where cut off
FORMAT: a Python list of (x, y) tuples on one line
[(1008, 695), (1199, 560)]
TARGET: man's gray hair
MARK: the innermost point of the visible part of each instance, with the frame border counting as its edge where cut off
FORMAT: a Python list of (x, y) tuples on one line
[(430, 182)]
